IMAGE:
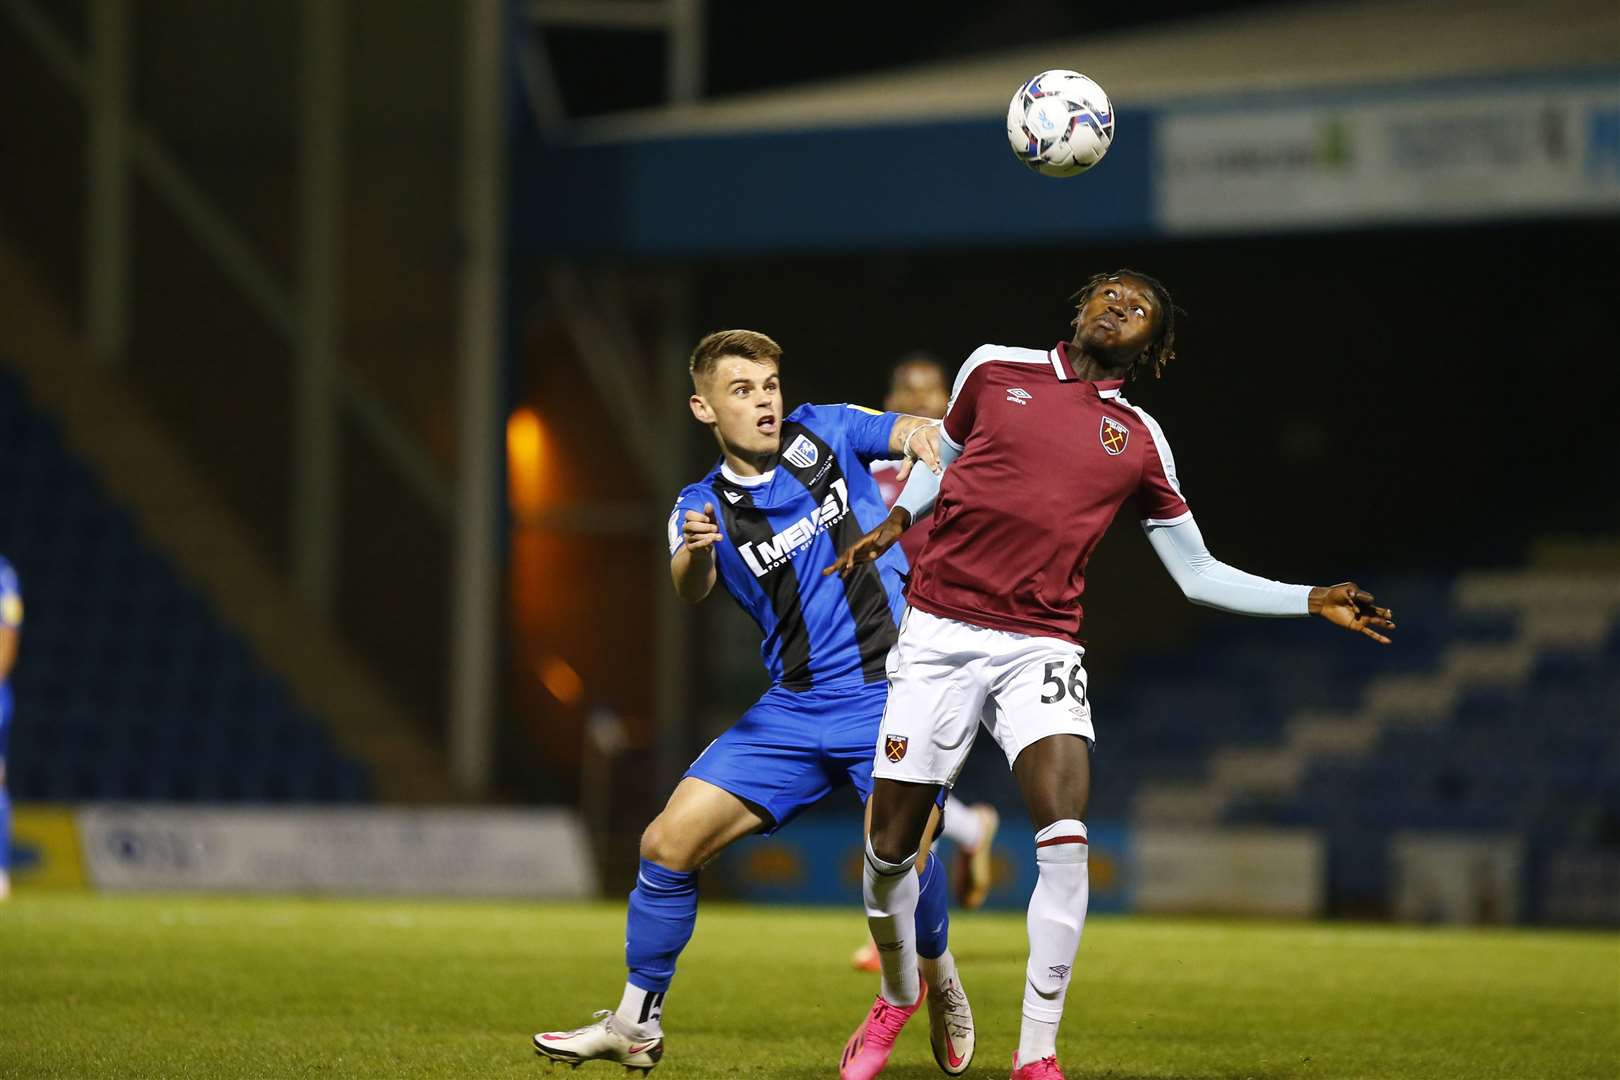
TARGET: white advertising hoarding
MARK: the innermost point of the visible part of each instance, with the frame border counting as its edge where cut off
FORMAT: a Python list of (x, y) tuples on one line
[(354, 850), (1235, 871), (1456, 878), (1415, 155)]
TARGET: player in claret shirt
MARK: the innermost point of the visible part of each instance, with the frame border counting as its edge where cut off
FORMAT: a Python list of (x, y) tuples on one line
[(919, 385), (788, 492), (1041, 450)]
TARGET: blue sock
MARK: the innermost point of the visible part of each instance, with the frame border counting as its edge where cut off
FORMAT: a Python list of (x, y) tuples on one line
[(933, 920), (5, 830), (663, 911)]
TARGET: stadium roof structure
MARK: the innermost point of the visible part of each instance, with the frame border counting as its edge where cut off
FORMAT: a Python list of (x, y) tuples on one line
[(917, 157)]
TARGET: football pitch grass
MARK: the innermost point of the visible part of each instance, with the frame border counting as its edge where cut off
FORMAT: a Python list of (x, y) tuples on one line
[(191, 987)]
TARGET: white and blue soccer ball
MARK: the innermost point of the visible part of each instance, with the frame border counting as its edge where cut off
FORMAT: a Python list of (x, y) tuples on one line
[(1060, 123)]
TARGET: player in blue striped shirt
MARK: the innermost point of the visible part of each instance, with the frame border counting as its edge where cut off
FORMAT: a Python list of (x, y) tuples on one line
[(11, 617), (789, 492)]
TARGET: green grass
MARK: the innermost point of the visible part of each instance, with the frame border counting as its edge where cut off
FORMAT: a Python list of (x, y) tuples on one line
[(243, 987)]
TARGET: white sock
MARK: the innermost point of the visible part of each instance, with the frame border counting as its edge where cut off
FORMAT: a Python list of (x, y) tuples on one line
[(1057, 912), (890, 892), (641, 1010), (962, 826), (937, 971)]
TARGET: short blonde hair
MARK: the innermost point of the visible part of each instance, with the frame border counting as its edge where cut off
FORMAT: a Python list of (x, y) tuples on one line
[(748, 344)]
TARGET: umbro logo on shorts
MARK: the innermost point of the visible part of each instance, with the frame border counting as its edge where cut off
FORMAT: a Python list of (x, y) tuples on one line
[(1019, 396), (894, 747)]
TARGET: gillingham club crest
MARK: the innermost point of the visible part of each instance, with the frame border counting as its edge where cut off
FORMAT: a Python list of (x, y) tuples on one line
[(802, 453), (894, 747), (1114, 436)]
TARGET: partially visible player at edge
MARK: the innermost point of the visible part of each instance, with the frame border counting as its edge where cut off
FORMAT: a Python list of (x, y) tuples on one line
[(1041, 451), (918, 385), (788, 493), (11, 617)]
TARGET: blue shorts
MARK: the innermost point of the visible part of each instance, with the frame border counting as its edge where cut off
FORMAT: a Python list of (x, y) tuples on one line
[(790, 750)]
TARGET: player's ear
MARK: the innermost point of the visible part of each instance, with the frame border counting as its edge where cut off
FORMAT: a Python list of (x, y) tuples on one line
[(700, 409)]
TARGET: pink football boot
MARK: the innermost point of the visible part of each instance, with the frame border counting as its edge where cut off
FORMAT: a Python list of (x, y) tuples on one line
[(1044, 1069), (869, 1048)]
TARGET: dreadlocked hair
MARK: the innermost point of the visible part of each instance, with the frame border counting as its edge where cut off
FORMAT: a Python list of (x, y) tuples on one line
[(1162, 349)]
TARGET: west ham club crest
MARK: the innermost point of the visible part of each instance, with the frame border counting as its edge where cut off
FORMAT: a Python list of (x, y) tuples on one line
[(1114, 436), (894, 747)]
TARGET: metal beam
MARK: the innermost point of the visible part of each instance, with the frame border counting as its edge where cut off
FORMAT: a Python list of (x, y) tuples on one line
[(106, 288), (315, 517), (601, 14), (476, 551), (606, 352)]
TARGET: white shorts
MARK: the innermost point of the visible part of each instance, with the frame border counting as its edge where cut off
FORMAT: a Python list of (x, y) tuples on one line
[(948, 677)]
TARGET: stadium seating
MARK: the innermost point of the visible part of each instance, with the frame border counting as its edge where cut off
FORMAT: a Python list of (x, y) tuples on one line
[(1497, 712), (128, 685)]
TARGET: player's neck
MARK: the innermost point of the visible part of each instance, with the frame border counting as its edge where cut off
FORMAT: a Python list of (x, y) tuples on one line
[(749, 464), (1094, 368)]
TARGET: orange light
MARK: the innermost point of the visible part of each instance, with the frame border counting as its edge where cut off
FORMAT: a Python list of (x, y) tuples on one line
[(525, 437), (559, 677)]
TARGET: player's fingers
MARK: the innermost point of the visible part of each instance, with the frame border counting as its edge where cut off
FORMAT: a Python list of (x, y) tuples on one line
[(904, 470), (1380, 638), (708, 511), (928, 447), (1363, 598)]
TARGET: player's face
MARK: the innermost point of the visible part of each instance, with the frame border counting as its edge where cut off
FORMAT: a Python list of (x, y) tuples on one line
[(918, 389), (743, 399), (1118, 320)]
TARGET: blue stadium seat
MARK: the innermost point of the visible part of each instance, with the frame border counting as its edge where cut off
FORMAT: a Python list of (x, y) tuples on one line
[(130, 686)]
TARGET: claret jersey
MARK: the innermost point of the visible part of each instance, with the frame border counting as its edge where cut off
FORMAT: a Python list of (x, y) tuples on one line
[(1047, 459), (784, 528)]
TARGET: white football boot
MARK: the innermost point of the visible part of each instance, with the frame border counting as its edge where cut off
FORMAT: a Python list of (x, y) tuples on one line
[(609, 1039), (950, 1026)]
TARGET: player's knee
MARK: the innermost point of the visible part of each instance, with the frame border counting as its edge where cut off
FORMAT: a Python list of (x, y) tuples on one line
[(892, 843), (662, 845)]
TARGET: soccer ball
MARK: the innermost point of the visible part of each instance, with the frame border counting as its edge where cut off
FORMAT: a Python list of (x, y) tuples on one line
[(1060, 123)]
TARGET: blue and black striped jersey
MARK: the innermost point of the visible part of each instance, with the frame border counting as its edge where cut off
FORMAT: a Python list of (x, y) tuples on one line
[(784, 528)]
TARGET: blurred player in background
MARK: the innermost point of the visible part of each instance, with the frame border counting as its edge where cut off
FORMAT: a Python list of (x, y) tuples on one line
[(766, 522), (1041, 451), (11, 617), (918, 387)]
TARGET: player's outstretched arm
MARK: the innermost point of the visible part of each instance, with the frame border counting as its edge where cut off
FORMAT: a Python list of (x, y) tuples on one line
[(1206, 580), (916, 500), (692, 566), (870, 547), (1347, 605)]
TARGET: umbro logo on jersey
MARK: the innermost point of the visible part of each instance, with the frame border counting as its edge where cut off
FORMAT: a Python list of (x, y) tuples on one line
[(802, 453), (1114, 436), (733, 497), (1019, 396)]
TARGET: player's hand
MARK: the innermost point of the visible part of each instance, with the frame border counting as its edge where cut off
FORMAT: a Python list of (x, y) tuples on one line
[(872, 545), (1348, 606), (701, 531), (922, 444)]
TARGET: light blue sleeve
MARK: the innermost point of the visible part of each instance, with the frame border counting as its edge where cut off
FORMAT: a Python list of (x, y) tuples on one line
[(1207, 581), (922, 486)]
